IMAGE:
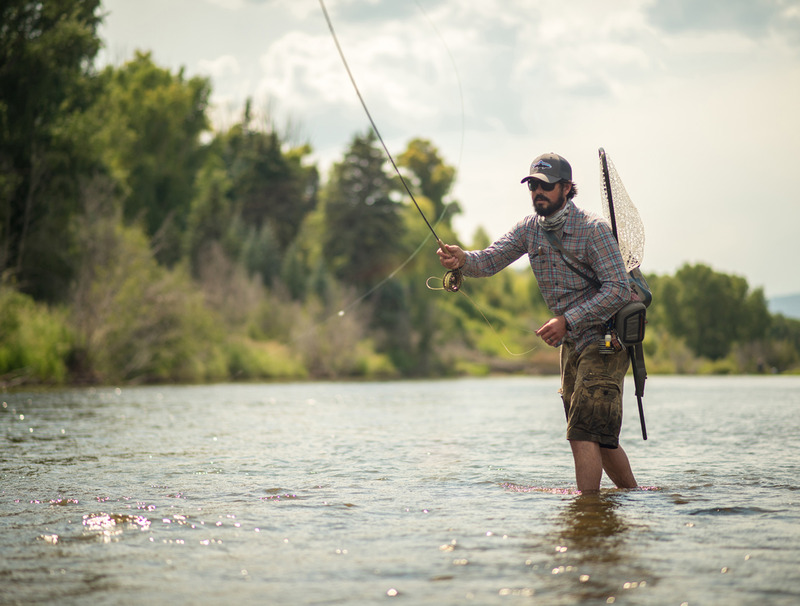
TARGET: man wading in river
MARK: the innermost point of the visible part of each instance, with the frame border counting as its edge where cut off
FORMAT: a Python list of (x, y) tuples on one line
[(592, 374)]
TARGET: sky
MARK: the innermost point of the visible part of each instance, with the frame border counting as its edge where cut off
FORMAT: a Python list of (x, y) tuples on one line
[(695, 102)]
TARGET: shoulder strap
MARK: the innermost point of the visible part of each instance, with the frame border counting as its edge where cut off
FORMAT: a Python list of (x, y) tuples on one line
[(556, 243)]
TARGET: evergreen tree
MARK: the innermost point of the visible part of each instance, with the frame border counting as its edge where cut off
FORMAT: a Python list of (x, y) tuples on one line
[(271, 184), (210, 212), (363, 222)]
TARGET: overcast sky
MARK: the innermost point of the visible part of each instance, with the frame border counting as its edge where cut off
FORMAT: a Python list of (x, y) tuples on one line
[(696, 102)]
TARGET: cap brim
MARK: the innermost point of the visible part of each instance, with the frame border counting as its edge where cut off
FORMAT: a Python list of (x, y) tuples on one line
[(541, 177)]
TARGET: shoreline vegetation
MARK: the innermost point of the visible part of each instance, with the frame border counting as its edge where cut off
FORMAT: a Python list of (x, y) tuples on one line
[(139, 245), (187, 341)]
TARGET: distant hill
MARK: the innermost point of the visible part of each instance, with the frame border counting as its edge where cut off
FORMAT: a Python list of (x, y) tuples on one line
[(788, 305)]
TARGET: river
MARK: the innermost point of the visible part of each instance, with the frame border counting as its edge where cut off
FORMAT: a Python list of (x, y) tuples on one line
[(417, 492)]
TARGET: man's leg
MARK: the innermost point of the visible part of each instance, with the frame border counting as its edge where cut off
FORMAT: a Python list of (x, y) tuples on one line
[(617, 467), (582, 410), (591, 461), (588, 464)]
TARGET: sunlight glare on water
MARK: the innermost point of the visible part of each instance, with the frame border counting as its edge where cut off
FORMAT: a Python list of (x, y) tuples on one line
[(428, 492)]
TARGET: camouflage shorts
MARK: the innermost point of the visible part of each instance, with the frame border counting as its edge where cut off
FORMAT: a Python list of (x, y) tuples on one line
[(591, 388)]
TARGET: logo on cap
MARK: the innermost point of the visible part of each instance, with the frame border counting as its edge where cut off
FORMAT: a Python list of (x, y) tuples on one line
[(541, 164)]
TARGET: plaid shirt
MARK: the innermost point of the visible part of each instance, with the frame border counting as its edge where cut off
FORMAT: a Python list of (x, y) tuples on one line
[(590, 239)]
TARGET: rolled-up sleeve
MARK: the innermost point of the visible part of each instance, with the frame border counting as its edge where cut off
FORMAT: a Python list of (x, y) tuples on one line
[(501, 254)]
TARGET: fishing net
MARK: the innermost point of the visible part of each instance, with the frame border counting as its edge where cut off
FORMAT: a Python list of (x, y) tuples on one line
[(630, 230)]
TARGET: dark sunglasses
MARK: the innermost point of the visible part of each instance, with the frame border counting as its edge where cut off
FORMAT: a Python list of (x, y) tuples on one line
[(534, 183)]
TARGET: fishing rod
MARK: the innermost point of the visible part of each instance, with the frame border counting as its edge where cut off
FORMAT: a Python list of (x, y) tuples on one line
[(453, 278)]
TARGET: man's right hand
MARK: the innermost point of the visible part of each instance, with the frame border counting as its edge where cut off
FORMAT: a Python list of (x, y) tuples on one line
[(451, 256)]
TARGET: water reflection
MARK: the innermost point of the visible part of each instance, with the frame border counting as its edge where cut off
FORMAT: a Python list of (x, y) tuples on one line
[(595, 548), (591, 529)]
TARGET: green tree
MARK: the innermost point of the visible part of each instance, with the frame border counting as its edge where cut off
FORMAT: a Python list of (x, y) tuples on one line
[(271, 182), (210, 213), (431, 177), (46, 49), (783, 350), (293, 272), (710, 310), (363, 222), (135, 320), (148, 125), (261, 254)]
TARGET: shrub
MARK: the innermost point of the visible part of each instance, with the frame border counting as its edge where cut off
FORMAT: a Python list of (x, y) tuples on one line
[(34, 340), (250, 360)]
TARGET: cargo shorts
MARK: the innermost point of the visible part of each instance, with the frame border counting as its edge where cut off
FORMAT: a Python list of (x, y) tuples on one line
[(591, 388)]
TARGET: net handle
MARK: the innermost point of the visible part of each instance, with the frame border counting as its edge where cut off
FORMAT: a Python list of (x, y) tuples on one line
[(609, 195)]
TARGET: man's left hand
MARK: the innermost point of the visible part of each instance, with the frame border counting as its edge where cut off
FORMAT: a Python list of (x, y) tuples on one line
[(553, 331)]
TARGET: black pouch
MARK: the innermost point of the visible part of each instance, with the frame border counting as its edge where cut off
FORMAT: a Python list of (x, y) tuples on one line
[(629, 323)]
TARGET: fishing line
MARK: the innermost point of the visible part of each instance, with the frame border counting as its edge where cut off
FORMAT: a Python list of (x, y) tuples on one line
[(453, 278), (448, 276), (458, 81), (488, 322)]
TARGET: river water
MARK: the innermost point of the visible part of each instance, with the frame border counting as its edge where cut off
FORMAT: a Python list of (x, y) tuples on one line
[(429, 492)]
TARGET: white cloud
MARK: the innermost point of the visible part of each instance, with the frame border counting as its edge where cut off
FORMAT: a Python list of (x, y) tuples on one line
[(677, 103), (232, 5), (219, 67)]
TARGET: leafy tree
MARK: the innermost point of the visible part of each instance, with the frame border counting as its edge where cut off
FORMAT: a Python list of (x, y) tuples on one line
[(430, 176), (363, 222), (148, 125), (405, 306), (710, 310), (271, 184), (783, 343), (134, 319), (261, 254), (210, 212), (46, 50), (293, 272)]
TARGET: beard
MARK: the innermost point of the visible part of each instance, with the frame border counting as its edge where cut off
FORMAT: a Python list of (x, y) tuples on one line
[(544, 207)]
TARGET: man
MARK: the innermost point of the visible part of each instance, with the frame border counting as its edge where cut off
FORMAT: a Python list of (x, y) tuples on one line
[(591, 381)]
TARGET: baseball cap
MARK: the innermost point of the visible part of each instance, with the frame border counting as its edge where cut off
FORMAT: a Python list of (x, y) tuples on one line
[(550, 168)]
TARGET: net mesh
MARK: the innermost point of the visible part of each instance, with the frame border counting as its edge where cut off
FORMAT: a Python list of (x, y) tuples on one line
[(630, 229)]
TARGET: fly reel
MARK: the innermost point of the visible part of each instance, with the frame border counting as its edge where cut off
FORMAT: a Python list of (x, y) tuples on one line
[(452, 280)]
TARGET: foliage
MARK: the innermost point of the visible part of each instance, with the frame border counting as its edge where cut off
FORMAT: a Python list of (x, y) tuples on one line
[(430, 177), (134, 319), (136, 246), (210, 215), (35, 340), (148, 124), (271, 187), (780, 350), (249, 359), (711, 311), (45, 53), (331, 339), (361, 216)]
